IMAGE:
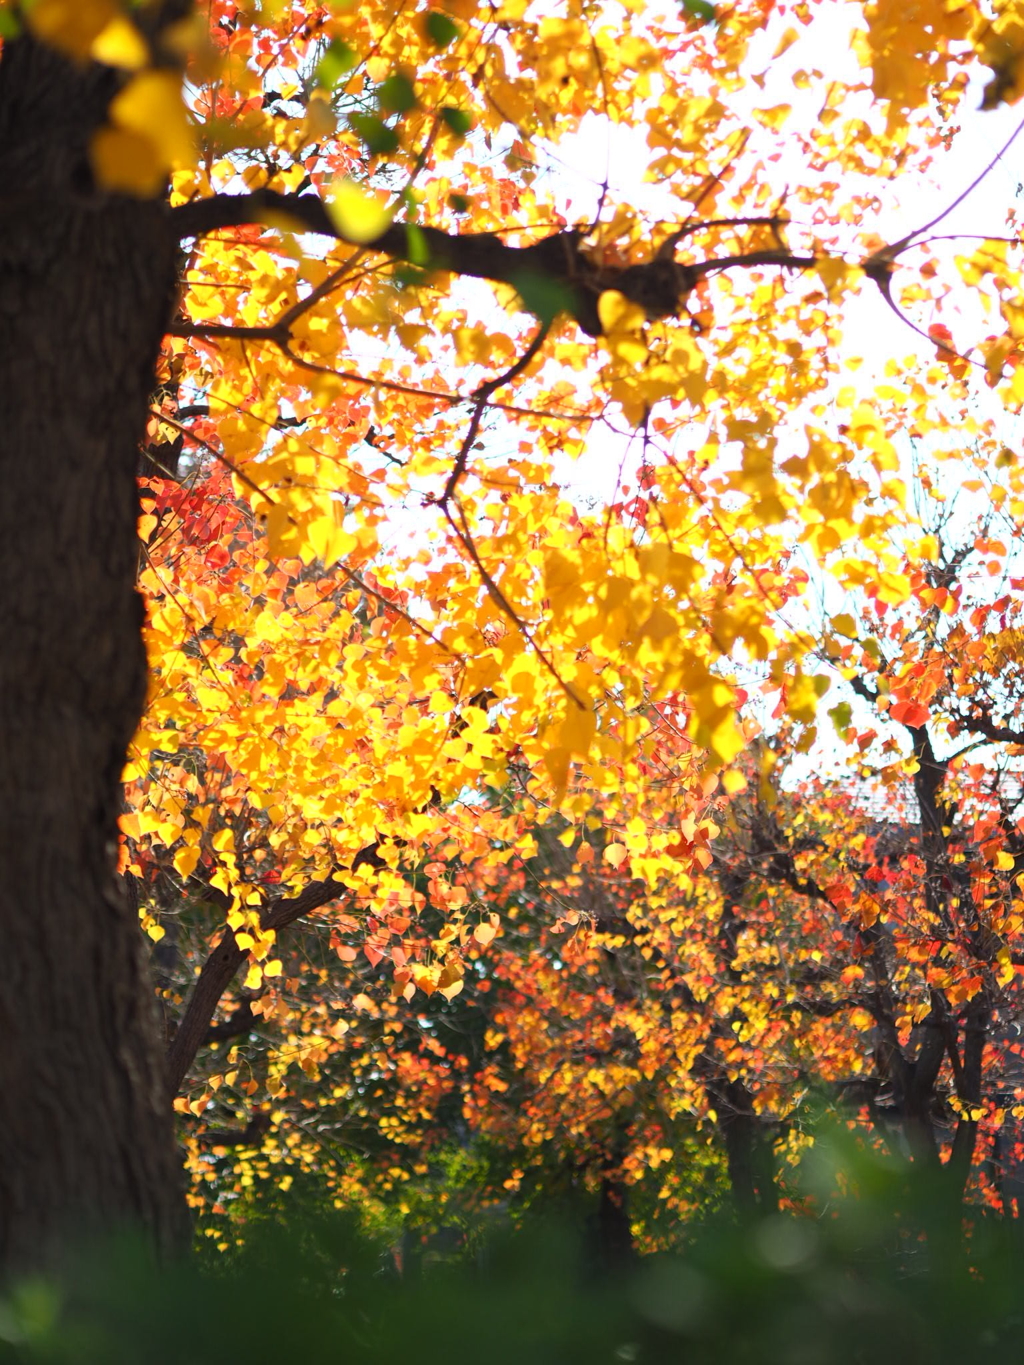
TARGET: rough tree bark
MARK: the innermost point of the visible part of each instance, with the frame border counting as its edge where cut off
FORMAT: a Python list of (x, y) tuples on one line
[(86, 282)]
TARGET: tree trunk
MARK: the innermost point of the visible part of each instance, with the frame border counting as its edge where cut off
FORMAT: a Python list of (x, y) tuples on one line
[(86, 1136), (613, 1233), (748, 1154)]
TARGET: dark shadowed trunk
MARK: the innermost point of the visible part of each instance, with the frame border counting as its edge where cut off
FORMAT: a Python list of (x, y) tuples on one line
[(748, 1151), (86, 1137), (613, 1235)]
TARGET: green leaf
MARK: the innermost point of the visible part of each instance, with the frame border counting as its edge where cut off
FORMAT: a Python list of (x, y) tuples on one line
[(379, 138), (336, 62), (457, 120), (419, 252), (459, 203), (408, 276), (700, 10), (396, 95), (544, 297), (440, 29), (841, 717)]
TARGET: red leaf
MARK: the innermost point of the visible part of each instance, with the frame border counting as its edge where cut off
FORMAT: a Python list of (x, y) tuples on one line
[(909, 713)]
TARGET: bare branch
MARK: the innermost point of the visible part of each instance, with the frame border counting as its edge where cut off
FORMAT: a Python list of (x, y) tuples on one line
[(889, 253)]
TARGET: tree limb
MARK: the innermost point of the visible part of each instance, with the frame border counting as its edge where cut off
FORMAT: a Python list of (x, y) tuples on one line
[(554, 268), (238, 1022), (224, 960), (979, 722)]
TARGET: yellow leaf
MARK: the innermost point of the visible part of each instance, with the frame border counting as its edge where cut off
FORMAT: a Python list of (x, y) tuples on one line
[(129, 824), (733, 782), (785, 42), (697, 115), (185, 861), (470, 345), (1004, 861), (254, 977), (578, 728), (615, 855), (774, 117), (426, 978), (329, 541), (834, 273), (121, 44), (556, 760), (151, 105), (359, 216), (802, 695), (273, 967), (618, 315), (726, 739), (71, 25), (126, 162), (1006, 971)]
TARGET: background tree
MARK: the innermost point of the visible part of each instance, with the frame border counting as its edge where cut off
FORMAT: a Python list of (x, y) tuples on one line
[(849, 941)]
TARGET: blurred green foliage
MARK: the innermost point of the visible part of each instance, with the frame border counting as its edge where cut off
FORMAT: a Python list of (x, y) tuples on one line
[(877, 1268)]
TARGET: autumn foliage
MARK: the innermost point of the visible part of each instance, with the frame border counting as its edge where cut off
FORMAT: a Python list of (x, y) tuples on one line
[(586, 710)]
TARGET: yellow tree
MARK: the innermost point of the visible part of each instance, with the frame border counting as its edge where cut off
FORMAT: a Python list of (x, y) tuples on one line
[(252, 222)]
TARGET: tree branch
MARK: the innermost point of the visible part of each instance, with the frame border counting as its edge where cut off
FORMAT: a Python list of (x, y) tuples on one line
[(981, 723), (238, 1022), (249, 1136), (482, 395), (224, 960), (554, 268)]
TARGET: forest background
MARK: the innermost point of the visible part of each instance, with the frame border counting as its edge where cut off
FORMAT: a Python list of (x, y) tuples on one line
[(506, 551)]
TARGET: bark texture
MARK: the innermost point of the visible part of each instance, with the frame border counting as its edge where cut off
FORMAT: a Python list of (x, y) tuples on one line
[(86, 1136)]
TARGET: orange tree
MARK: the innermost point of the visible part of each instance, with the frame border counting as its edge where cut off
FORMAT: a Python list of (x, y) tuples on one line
[(853, 940), (255, 225)]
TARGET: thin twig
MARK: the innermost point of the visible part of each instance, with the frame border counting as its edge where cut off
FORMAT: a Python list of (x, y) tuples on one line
[(882, 280), (217, 454), (465, 539), (890, 253), (452, 399), (481, 397)]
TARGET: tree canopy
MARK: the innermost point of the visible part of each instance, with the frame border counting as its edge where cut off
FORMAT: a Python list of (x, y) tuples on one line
[(553, 404)]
